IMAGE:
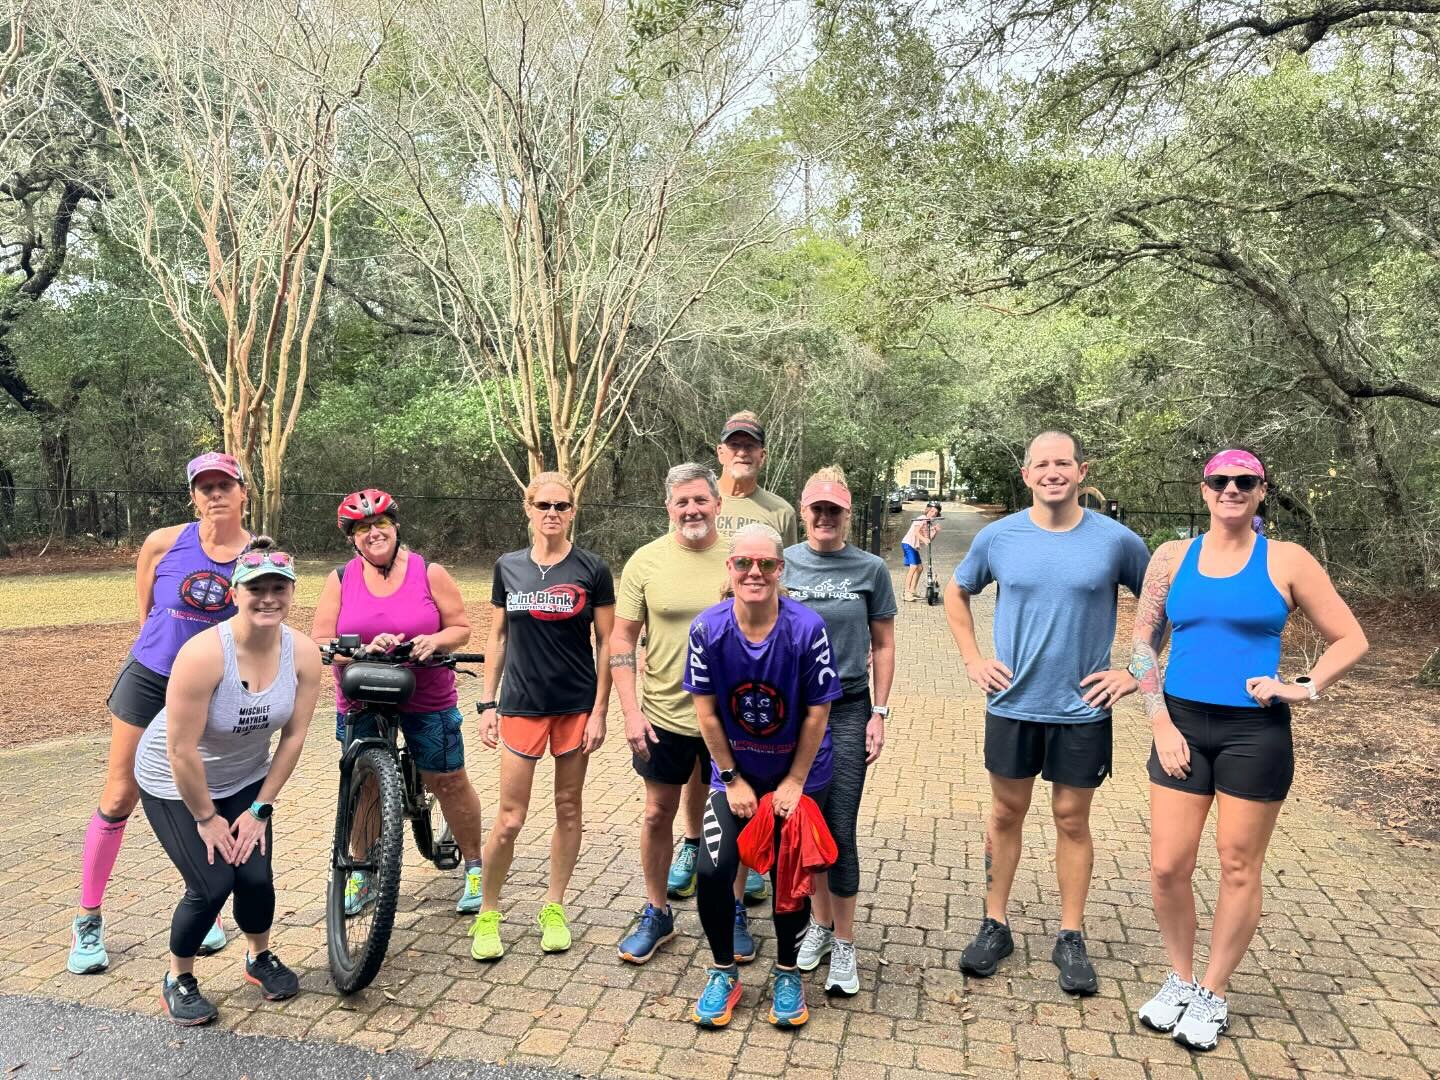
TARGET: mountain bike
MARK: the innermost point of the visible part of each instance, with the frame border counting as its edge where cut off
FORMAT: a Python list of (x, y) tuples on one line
[(380, 788)]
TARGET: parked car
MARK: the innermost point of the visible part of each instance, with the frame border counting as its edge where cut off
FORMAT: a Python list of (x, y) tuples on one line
[(917, 492), (897, 501)]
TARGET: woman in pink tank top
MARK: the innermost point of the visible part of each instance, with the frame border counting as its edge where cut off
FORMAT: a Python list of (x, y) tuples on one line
[(388, 594)]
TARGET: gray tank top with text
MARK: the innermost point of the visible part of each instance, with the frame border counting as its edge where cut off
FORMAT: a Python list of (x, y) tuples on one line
[(235, 745)]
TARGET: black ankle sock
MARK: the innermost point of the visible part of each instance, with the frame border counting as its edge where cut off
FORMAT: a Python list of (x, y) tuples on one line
[(692, 843)]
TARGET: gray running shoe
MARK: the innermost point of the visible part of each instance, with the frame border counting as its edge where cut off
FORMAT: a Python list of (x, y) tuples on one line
[(844, 977), (814, 946), (1206, 1018), (1163, 1011), (184, 1003), (991, 945), (1077, 974)]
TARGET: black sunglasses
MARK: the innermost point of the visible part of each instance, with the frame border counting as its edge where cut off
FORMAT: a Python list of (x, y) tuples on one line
[(1244, 482), (559, 507)]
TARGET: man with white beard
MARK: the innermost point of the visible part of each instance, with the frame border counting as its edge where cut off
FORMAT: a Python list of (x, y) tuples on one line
[(666, 584)]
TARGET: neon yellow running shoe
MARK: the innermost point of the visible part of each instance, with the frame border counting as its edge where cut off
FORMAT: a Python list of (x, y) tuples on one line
[(554, 930), (485, 936)]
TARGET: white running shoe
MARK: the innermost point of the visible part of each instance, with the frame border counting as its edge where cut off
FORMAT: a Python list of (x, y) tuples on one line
[(1163, 1011), (844, 977), (1206, 1018), (814, 946)]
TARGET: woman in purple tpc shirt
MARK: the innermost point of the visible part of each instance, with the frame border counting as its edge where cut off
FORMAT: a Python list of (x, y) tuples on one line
[(761, 671), (182, 586)]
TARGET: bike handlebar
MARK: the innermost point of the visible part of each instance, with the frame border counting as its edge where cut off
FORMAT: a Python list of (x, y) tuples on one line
[(349, 647)]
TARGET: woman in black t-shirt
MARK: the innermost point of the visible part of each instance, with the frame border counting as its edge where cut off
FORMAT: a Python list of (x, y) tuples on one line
[(550, 598)]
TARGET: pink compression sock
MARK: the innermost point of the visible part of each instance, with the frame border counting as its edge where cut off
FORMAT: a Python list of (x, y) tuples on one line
[(102, 847)]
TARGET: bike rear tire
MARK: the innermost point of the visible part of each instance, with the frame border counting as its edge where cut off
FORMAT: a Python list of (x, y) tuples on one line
[(431, 831), (357, 946)]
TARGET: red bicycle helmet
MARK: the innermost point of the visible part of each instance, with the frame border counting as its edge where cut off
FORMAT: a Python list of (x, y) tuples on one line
[(359, 505)]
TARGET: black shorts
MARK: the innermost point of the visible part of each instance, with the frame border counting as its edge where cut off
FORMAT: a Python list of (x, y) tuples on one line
[(1076, 755), (138, 694), (673, 758), (1234, 750)]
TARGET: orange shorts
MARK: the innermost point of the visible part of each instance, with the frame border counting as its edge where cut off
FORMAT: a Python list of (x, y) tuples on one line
[(527, 735)]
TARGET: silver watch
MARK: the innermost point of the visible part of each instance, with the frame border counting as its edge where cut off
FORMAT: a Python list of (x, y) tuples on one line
[(1309, 685), (882, 711)]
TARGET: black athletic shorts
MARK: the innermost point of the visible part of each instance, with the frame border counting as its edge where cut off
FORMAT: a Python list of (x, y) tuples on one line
[(673, 758), (1235, 750), (1076, 755), (138, 694)]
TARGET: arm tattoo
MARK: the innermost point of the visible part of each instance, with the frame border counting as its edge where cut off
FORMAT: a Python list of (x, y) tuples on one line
[(623, 660), (1150, 622)]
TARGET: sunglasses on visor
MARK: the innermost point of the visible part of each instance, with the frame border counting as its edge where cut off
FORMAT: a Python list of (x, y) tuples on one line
[(253, 559)]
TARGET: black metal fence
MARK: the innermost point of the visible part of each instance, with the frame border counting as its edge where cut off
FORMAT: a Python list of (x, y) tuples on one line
[(446, 526)]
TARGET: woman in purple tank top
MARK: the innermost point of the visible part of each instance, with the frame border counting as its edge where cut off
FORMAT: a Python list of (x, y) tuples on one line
[(1221, 721), (388, 594), (182, 584)]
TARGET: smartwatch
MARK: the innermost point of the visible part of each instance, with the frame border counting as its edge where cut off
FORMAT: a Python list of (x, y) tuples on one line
[(261, 811), (1309, 685), (729, 776), (882, 711)]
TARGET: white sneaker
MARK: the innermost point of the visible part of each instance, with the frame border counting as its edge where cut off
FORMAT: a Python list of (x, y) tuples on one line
[(1206, 1018), (844, 977), (1163, 1011), (814, 946)]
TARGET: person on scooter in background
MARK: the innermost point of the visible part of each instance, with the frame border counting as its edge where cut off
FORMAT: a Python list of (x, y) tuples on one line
[(922, 531)]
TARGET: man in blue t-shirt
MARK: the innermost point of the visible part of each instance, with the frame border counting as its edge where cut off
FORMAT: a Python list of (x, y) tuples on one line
[(1050, 686)]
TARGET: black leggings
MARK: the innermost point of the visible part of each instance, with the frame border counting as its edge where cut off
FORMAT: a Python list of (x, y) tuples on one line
[(208, 885), (849, 717), (715, 892)]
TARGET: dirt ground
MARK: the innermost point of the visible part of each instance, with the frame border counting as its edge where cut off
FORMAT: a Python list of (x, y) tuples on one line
[(25, 558)]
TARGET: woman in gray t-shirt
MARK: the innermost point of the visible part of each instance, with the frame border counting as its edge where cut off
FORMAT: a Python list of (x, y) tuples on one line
[(852, 592), (207, 779)]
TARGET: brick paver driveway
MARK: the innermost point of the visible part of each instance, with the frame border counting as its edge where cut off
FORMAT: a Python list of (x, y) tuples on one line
[(1344, 978)]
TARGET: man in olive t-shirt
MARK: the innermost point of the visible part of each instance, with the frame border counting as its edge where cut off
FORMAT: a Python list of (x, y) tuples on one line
[(741, 453), (665, 585)]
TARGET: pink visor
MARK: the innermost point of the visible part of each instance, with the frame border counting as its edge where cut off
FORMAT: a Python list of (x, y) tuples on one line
[(825, 491), (1234, 459), (214, 462)]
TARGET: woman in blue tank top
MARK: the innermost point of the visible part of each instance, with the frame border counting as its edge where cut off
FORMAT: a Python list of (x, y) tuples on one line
[(182, 583), (1221, 722)]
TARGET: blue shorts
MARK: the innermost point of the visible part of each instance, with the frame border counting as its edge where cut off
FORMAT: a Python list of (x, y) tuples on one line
[(912, 557), (433, 738)]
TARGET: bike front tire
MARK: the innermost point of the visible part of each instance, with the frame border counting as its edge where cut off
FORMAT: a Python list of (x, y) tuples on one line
[(357, 945)]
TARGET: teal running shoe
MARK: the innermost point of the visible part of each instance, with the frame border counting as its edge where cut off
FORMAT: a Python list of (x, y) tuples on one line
[(787, 1002), (214, 941), (718, 999), (757, 887), (357, 894), (471, 895), (681, 882), (87, 946)]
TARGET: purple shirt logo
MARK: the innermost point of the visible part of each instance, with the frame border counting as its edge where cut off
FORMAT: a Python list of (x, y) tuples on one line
[(205, 590), (758, 708)]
